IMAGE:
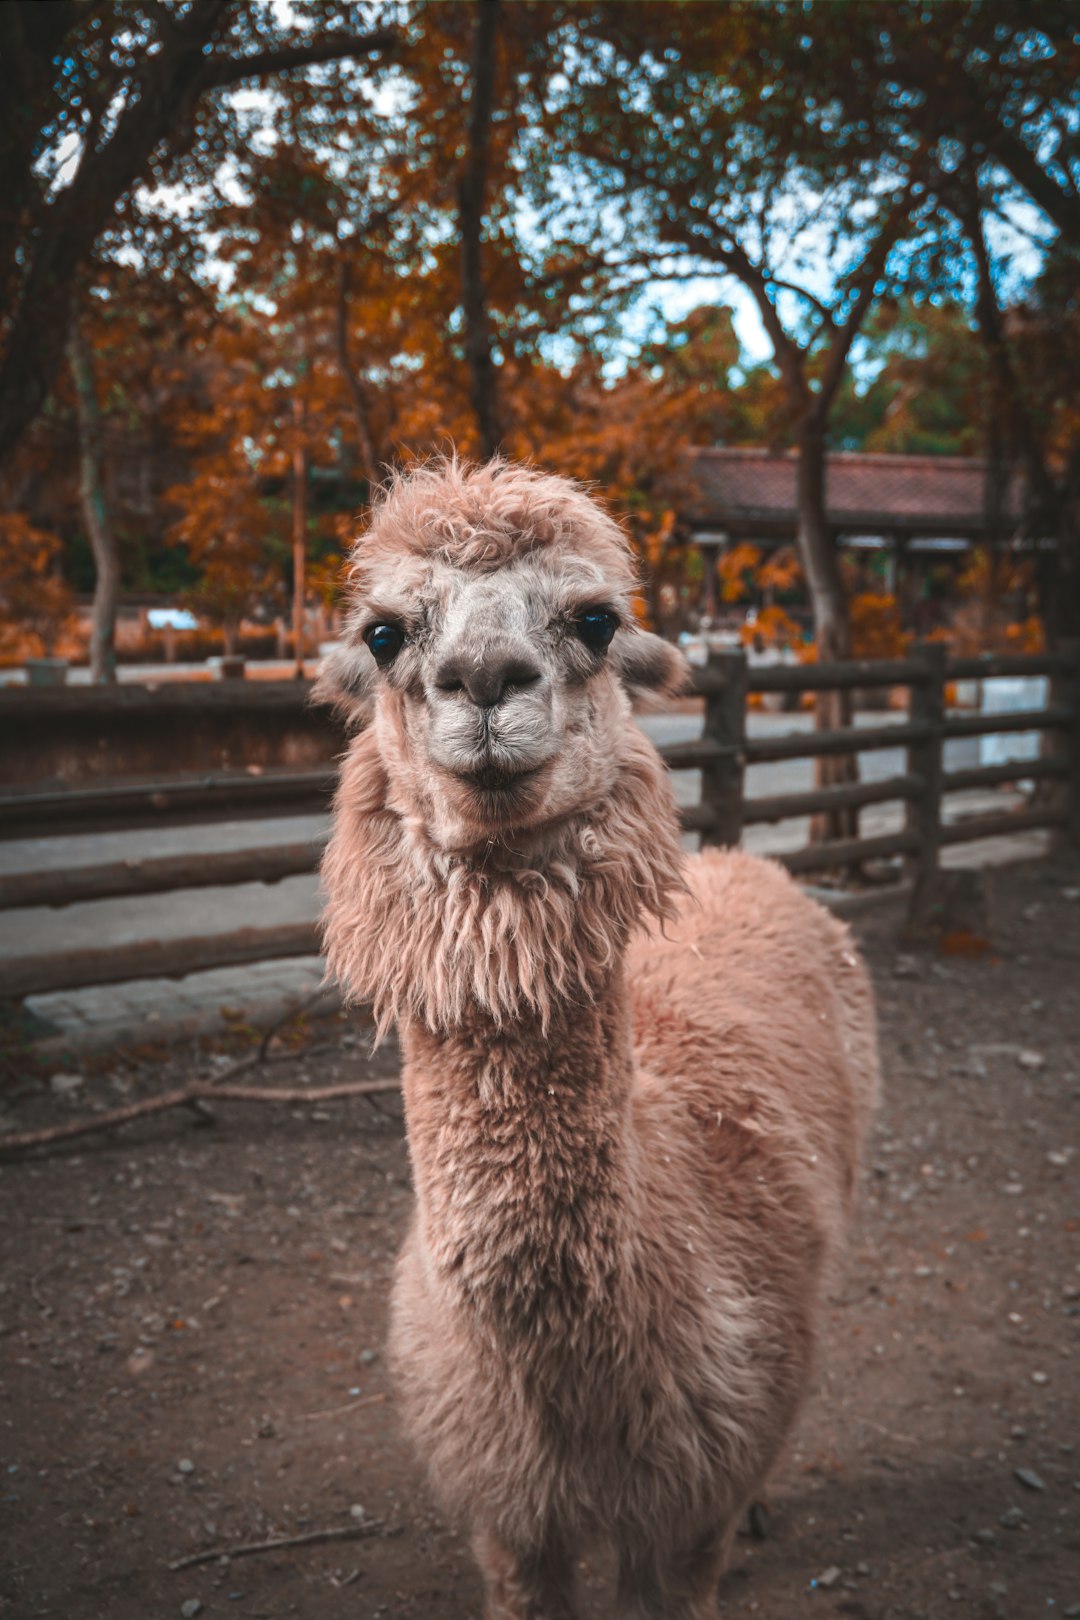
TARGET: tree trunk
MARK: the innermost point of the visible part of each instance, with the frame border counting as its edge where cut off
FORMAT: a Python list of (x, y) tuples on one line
[(471, 193), (299, 531), (358, 394), (832, 624), (1047, 499), (95, 513), (1062, 617)]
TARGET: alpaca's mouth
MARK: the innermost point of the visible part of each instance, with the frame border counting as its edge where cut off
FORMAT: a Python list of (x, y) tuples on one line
[(497, 778)]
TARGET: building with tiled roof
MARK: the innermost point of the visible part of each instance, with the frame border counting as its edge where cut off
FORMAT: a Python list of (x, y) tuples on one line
[(741, 494)]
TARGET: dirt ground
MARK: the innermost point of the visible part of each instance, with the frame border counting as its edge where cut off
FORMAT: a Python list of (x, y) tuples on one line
[(193, 1316)]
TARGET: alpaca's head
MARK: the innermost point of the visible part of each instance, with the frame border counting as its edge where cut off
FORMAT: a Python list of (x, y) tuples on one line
[(490, 631)]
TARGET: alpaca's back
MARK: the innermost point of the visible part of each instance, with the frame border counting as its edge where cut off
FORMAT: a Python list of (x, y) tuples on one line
[(756, 1004)]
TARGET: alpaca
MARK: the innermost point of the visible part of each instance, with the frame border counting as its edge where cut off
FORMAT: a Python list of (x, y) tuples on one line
[(635, 1082)]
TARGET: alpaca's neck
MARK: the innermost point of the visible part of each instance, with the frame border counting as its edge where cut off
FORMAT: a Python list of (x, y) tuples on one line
[(523, 1159), (516, 932), (502, 969)]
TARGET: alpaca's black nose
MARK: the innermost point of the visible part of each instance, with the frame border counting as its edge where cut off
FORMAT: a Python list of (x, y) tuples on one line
[(491, 680)]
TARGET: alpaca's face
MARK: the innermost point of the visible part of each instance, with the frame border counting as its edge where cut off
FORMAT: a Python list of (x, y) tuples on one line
[(498, 702), (502, 684)]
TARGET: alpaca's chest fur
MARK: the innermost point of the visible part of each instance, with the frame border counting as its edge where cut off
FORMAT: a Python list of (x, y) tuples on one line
[(566, 1281), (518, 1146)]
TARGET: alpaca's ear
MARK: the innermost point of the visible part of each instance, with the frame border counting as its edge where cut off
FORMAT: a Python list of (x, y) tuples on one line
[(346, 682), (650, 669)]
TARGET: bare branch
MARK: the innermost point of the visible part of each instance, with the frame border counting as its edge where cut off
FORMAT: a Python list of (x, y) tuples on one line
[(197, 1091), (866, 279), (310, 1538), (326, 48)]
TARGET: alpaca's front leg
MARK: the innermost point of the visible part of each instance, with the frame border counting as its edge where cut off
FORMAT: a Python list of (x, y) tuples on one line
[(533, 1585), (672, 1583)]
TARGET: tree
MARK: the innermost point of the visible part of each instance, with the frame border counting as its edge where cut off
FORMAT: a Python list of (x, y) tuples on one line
[(994, 101), (719, 164), (119, 90)]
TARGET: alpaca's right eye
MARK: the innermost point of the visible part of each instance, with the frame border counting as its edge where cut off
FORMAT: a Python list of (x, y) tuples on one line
[(595, 627), (385, 641)]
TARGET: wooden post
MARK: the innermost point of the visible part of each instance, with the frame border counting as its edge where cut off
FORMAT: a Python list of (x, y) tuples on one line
[(725, 725), (925, 759), (1065, 693)]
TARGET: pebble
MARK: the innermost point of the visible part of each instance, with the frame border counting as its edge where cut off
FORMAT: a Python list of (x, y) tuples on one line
[(1074, 1608), (1013, 1518), (368, 1356), (829, 1577), (64, 1083), (186, 1466), (1040, 1378), (1028, 1477), (191, 1608), (905, 967), (985, 1538), (1028, 1059)]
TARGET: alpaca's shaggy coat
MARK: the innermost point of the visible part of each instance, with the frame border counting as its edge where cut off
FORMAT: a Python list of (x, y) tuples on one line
[(635, 1091)]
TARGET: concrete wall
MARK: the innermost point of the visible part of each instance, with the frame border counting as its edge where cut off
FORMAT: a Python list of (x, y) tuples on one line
[(76, 736)]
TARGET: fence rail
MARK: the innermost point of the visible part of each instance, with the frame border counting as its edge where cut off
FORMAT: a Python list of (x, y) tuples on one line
[(726, 751), (722, 755)]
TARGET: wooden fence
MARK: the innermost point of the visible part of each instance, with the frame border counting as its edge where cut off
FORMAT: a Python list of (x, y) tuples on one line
[(722, 755)]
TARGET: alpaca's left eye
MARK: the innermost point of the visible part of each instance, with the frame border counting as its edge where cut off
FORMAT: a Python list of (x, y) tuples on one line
[(385, 640), (595, 627)]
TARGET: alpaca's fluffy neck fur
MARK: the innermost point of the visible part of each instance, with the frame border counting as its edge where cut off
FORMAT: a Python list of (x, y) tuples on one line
[(522, 930), (505, 977)]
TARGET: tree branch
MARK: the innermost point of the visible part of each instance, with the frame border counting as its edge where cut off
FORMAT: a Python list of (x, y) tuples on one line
[(198, 1091), (969, 110), (737, 262), (868, 275), (327, 48), (167, 87)]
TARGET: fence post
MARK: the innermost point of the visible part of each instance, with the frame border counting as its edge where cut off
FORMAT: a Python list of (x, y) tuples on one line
[(1065, 692), (725, 725), (925, 759)]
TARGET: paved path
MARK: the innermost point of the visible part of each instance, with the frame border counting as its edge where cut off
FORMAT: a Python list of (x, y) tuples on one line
[(205, 1000)]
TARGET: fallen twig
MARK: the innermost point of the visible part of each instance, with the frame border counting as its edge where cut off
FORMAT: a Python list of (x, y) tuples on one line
[(349, 1406), (305, 1004), (184, 1096), (311, 1538), (889, 1434)]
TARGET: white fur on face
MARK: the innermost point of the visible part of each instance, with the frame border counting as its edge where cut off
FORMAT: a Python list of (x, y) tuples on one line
[(550, 744)]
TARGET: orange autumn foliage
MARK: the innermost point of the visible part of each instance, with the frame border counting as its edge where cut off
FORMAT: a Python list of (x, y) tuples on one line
[(733, 568), (772, 627), (36, 604), (876, 628)]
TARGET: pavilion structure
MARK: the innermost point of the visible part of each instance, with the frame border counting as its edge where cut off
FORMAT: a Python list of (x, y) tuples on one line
[(909, 507)]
